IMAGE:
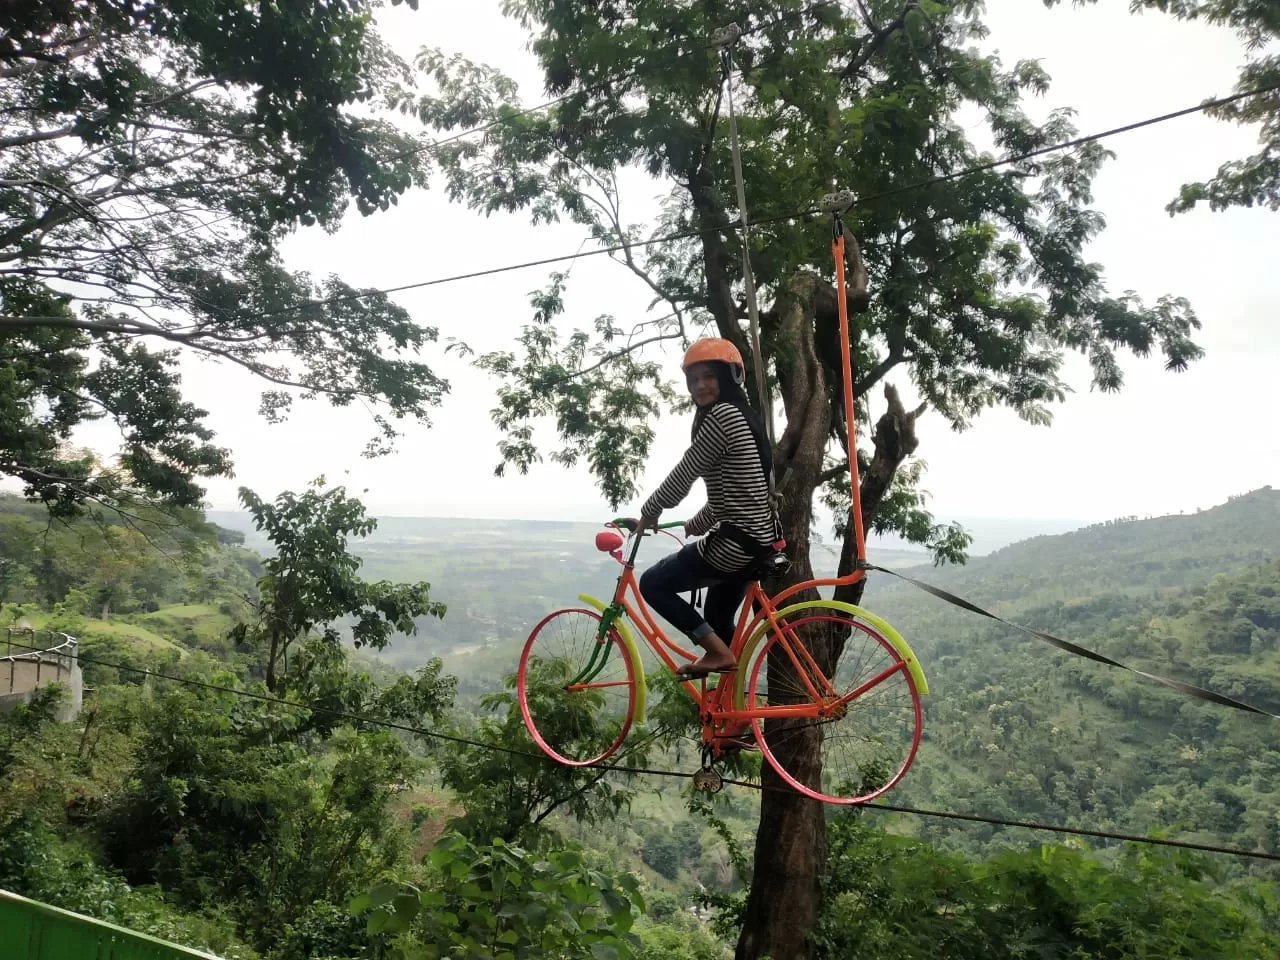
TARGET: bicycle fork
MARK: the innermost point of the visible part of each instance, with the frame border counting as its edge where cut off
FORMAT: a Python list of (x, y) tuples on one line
[(600, 654)]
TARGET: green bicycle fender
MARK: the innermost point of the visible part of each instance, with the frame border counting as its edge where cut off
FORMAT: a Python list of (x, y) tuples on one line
[(628, 641), (890, 634)]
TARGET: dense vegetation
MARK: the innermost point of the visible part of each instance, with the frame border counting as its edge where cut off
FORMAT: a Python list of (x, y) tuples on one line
[(284, 833)]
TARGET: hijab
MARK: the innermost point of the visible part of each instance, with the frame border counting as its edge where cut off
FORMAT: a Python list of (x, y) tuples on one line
[(732, 393)]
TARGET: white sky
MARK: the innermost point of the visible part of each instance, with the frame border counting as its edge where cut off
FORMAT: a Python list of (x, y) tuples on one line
[(1167, 442)]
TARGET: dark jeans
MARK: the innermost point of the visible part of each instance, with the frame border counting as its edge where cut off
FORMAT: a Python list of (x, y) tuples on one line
[(683, 572)]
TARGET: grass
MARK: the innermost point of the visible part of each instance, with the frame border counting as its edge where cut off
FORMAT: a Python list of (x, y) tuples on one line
[(141, 638), (192, 625), (176, 627)]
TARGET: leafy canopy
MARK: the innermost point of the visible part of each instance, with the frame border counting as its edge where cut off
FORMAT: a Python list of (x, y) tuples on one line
[(152, 156), (979, 285), (312, 582), (500, 901)]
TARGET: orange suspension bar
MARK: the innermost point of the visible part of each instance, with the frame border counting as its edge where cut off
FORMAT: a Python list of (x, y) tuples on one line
[(837, 251)]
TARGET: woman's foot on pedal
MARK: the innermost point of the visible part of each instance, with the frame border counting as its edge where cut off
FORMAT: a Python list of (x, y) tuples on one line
[(708, 665)]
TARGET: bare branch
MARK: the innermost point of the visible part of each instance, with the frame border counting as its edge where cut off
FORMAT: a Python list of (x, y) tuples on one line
[(878, 36), (877, 373), (617, 355)]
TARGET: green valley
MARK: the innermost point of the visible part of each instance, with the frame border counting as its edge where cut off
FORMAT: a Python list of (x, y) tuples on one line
[(1013, 729)]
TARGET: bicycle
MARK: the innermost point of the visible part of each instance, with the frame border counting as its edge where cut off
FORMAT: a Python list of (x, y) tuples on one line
[(592, 696), (594, 688)]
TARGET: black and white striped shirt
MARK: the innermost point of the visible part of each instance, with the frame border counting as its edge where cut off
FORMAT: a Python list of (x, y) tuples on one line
[(724, 454)]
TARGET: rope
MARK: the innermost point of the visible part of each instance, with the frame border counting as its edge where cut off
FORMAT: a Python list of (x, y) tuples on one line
[(727, 38), (1188, 689), (1034, 825), (652, 772)]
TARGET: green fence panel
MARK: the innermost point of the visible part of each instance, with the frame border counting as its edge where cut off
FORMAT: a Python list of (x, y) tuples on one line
[(37, 931)]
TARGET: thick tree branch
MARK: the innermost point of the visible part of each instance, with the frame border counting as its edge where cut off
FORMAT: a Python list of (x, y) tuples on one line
[(878, 36), (877, 373), (35, 136)]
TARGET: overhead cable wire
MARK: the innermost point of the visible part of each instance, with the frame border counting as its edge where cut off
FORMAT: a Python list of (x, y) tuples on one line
[(787, 217), (647, 771)]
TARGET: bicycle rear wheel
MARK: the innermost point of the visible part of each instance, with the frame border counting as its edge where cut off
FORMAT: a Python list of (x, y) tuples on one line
[(577, 693), (868, 730)]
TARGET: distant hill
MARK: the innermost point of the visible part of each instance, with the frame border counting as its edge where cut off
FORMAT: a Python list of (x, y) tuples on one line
[(1122, 554), (989, 533)]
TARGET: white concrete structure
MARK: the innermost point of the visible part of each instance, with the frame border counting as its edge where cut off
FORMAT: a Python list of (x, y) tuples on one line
[(22, 669)]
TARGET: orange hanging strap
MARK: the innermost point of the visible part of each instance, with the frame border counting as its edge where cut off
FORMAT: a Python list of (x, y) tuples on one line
[(836, 204)]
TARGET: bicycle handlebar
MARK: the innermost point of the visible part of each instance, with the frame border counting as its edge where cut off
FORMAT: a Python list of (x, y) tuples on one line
[(624, 522)]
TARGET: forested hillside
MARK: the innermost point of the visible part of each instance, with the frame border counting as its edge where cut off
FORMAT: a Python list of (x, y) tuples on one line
[(1016, 729)]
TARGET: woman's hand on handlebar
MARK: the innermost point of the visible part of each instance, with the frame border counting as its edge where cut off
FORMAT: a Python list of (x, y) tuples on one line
[(641, 525)]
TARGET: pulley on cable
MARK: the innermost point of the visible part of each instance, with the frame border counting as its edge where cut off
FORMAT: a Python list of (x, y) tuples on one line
[(725, 38)]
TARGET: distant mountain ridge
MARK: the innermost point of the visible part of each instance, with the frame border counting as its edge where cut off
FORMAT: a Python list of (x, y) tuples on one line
[(1120, 555), (989, 533)]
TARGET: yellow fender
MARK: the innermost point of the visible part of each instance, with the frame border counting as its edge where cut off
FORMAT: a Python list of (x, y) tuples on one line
[(881, 626), (629, 642)]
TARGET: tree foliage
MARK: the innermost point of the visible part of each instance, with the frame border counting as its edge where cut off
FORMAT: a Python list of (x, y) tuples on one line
[(312, 582), (512, 795), (949, 265), (500, 902), (151, 158), (896, 899)]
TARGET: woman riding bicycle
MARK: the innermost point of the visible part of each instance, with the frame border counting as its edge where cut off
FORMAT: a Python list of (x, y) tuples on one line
[(729, 450)]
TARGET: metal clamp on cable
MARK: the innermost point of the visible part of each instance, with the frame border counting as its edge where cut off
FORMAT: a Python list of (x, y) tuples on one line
[(837, 203), (708, 779), (727, 35)]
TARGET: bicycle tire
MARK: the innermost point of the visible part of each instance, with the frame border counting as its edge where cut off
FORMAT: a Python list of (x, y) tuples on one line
[(576, 724), (866, 762)]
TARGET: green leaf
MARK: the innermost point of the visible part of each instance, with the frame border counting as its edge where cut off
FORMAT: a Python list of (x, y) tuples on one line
[(383, 893)]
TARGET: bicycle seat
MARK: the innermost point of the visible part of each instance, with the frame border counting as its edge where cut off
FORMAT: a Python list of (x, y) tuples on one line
[(771, 567)]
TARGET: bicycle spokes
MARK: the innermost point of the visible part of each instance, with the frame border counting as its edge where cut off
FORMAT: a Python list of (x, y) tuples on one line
[(854, 742), (577, 694)]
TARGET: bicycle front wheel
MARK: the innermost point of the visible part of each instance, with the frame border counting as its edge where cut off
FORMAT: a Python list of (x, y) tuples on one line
[(867, 728), (577, 691)]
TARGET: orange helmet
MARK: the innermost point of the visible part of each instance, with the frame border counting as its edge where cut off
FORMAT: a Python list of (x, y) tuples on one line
[(710, 349)]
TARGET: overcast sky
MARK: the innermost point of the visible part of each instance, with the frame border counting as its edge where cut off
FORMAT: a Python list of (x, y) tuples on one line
[(1169, 442)]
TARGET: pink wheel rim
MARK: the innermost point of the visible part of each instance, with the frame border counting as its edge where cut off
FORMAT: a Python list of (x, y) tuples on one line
[(757, 724), (522, 688)]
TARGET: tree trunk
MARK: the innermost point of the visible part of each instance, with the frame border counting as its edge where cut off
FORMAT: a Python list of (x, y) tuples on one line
[(271, 661), (791, 843)]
